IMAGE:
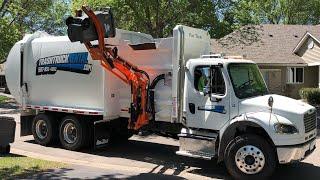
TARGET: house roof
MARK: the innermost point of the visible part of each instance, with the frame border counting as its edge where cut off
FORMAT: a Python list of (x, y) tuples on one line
[(303, 40), (308, 49), (266, 44)]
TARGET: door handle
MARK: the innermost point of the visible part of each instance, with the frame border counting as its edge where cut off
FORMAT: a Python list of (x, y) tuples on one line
[(192, 108)]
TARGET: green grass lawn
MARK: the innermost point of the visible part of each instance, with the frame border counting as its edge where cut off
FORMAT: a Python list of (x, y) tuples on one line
[(4, 99), (18, 166)]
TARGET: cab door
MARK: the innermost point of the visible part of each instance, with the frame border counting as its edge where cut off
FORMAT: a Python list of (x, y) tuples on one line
[(207, 101)]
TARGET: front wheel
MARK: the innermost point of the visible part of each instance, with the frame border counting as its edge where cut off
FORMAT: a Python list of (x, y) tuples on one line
[(250, 157)]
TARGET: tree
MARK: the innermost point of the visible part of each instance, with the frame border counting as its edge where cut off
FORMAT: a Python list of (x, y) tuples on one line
[(18, 17), (7, 37), (276, 12), (158, 17)]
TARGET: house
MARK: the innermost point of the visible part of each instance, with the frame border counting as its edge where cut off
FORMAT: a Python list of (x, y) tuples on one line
[(288, 55)]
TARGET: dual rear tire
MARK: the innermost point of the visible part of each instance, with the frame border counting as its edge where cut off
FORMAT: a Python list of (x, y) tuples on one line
[(44, 129), (72, 132)]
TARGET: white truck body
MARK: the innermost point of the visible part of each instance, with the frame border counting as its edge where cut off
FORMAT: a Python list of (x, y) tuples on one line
[(87, 87), (59, 76)]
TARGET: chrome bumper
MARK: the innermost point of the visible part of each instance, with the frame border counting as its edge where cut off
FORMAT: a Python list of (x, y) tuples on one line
[(295, 153)]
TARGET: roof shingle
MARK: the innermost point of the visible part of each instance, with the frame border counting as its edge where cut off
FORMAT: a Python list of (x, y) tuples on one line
[(265, 44)]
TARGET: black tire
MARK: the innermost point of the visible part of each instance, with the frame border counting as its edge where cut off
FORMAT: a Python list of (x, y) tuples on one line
[(80, 133), (5, 149), (51, 126), (239, 142)]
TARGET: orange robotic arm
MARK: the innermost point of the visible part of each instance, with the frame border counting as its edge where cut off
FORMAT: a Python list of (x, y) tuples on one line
[(124, 70)]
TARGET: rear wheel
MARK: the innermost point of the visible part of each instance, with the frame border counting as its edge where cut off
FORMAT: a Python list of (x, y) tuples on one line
[(250, 157), (44, 129), (73, 133)]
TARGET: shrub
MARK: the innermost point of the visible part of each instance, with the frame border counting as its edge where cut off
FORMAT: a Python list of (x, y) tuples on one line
[(311, 95)]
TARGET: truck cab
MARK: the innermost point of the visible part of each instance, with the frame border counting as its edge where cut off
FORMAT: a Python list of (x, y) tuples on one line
[(230, 114)]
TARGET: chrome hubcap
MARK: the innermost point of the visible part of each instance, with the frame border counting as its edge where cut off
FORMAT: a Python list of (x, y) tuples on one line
[(250, 159), (41, 129), (70, 133)]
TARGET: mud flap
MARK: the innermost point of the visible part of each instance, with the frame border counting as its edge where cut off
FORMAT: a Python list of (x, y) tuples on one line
[(26, 125), (101, 134)]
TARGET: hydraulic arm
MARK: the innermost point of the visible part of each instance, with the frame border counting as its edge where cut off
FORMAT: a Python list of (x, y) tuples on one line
[(111, 61)]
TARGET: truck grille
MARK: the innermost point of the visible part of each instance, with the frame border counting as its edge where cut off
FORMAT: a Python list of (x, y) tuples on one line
[(310, 121)]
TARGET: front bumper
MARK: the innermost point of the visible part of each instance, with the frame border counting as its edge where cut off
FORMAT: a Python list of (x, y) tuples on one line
[(288, 154)]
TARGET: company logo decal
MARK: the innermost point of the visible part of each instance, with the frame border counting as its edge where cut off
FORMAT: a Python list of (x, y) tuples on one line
[(74, 62), (213, 108)]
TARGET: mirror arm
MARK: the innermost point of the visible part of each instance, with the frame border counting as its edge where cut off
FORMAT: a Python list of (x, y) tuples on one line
[(216, 99)]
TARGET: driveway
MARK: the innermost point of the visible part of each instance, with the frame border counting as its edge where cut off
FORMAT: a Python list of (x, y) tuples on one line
[(151, 157)]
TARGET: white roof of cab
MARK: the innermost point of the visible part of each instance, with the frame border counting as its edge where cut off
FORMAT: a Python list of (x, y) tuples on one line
[(217, 61)]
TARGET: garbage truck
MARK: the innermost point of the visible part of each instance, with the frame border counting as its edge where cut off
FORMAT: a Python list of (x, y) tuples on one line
[(100, 85)]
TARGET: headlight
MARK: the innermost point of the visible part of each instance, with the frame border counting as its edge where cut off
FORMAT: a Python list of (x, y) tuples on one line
[(285, 128)]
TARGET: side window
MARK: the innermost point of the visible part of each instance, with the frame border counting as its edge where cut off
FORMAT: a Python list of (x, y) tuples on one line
[(201, 77), (206, 75), (217, 85)]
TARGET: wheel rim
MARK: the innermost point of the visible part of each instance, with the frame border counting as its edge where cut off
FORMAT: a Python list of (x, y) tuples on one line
[(70, 133), (250, 159), (41, 129)]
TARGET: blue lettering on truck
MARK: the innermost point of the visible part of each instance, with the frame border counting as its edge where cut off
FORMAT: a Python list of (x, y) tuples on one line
[(73, 62)]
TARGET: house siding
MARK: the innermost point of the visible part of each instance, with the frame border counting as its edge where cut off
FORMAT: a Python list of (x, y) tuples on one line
[(310, 55), (292, 90)]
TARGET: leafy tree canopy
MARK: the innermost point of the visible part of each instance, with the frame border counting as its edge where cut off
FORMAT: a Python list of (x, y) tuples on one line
[(18, 17), (275, 12), (159, 17), (155, 17)]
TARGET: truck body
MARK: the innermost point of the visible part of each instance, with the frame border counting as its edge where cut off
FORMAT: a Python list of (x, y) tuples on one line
[(231, 116), (60, 74)]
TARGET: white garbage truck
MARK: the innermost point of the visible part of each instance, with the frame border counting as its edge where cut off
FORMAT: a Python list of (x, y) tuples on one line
[(218, 107)]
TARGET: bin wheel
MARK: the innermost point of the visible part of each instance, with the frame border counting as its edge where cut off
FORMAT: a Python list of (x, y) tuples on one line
[(5, 149)]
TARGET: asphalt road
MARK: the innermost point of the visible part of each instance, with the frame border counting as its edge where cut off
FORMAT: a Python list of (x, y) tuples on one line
[(151, 157)]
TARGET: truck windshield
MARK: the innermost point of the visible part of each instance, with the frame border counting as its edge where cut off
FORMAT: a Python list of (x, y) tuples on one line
[(247, 80)]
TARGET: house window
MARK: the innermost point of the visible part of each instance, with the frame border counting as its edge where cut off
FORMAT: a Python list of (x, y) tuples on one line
[(295, 75)]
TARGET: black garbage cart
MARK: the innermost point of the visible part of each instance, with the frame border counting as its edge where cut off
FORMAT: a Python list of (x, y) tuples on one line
[(7, 133)]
